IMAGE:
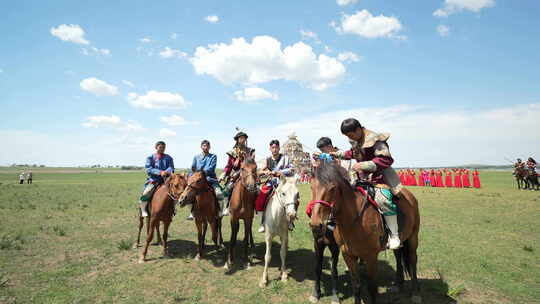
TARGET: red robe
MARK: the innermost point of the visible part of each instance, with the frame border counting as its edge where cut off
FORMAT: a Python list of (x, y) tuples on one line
[(402, 179), (421, 179), (439, 179), (466, 180), (432, 179), (457, 180), (448, 179), (476, 179), (413, 178)]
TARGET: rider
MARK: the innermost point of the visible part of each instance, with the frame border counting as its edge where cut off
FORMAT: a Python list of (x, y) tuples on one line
[(373, 158), (206, 162), (158, 166), (531, 165), (324, 144), (276, 165), (231, 172)]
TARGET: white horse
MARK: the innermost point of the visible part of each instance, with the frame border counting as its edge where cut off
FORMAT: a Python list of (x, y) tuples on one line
[(279, 212)]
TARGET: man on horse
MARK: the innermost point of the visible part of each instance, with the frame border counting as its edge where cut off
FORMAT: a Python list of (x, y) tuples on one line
[(276, 165), (324, 144), (231, 172), (531, 165), (207, 162), (374, 161), (158, 166)]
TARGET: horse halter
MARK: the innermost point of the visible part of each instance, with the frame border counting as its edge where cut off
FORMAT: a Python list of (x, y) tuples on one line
[(254, 175), (329, 220), (198, 190)]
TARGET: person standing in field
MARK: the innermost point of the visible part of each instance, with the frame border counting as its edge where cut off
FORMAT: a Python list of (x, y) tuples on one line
[(158, 166), (448, 179), (29, 177), (21, 178), (476, 179)]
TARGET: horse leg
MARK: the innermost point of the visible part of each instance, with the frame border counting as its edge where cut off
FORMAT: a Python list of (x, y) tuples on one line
[(205, 228), (352, 264), (165, 248), (400, 277), (149, 237), (267, 258), (158, 234), (371, 267), (247, 242), (334, 249), (412, 245), (141, 225), (219, 225), (235, 226), (199, 224), (215, 231), (319, 255), (283, 254)]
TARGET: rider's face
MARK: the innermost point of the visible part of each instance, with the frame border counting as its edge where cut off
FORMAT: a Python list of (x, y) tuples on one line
[(205, 148), (355, 135), (242, 140), (160, 149), (274, 149), (327, 149)]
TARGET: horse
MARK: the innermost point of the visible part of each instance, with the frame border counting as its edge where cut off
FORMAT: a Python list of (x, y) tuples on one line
[(359, 230), (141, 225), (279, 212), (321, 240), (242, 206), (162, 210), (205, 209), (521, 178), (532, 180)]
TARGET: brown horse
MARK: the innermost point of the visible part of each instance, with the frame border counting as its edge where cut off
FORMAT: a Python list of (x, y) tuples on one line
[(163, 210), (242, 206), (359, 229), (522, 178), (141, 225), (205, 209)]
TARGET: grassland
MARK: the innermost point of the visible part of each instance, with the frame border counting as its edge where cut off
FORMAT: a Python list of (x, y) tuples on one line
[(67, 237)]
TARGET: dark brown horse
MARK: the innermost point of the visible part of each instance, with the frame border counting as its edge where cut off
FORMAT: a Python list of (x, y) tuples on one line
[(359, 230), (242, 206), (163, 210), (141, 225), (205, 209), (522, 180)]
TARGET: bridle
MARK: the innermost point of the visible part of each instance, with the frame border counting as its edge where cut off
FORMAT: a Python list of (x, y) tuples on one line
[(329, 220), (242, 177)]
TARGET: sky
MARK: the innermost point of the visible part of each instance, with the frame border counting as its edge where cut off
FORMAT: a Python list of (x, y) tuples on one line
[(99, 82)]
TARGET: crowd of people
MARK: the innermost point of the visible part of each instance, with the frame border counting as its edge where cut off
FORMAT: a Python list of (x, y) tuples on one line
[(25, 175), (453, 178)]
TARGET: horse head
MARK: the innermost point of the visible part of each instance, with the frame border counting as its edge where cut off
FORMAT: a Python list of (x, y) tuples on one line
[(196, 184), (248, 174), (176, 184), (287, 195)]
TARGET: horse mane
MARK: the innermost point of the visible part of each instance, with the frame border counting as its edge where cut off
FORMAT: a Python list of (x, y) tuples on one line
[(329, 172), (249, 161)]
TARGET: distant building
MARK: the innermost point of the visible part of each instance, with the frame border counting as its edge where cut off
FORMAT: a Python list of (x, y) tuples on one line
[(294, 150)]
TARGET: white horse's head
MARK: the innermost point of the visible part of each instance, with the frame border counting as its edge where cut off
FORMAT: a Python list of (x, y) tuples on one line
[(287, 193)]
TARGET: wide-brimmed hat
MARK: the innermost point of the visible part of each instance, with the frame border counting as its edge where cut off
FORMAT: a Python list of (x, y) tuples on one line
[(240, 134)]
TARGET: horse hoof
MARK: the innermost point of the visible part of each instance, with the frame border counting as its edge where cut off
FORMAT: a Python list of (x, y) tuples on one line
[(135, 246), (197, 258), (313, 299), (226, 266), (248, 266), (284, 277), (141, 261), (416, 299), (335, 301), (263, 283)]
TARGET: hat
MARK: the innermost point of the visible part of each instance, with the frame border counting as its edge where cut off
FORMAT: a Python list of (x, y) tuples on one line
[(240, 134)]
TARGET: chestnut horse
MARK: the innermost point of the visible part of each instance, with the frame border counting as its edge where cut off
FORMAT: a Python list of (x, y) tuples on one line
[(242, 206), (205, 209), (162, 204), (359, 229)]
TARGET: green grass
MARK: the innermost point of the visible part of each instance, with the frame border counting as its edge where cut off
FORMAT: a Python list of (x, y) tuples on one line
[(67, 239)]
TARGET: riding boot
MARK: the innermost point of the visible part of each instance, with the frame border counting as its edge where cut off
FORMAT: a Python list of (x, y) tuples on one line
[(393, 238), (143, 205), (225, 210), (261, 229), (190, 216)]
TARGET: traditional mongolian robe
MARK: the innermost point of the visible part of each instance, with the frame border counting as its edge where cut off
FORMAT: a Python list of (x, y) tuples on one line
[(413, 177), (439, 178), (432, 178), (448, 179), (402, 178), (466, 180), (281, 164), (425, 176), (476, 179), (156, 163), (457, 179), (421, 178)]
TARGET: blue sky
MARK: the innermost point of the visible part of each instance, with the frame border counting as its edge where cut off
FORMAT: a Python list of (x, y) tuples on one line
[(453, 81)]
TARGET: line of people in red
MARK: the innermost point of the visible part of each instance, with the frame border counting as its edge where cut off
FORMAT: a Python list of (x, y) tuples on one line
[(434, 178)]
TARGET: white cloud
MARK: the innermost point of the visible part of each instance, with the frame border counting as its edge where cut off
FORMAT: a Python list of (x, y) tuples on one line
[(128, 83), (95, 50), (158, 100), (212, 19), (364, 24), (443, 30), (310, 35), (345, 2), (164, 133), (174, 120), (172, 53), (250, 95), (145, 40), (72, 33), (98, 87), (264, 60), (348, 57), (454, 6), (111, 122), (173, 36)]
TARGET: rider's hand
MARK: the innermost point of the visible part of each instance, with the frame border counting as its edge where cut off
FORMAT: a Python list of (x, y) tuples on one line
[(164, 173), (316, 155)]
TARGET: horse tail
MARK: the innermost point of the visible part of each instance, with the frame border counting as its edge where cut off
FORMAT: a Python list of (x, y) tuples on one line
[(406, 257)]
